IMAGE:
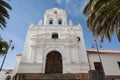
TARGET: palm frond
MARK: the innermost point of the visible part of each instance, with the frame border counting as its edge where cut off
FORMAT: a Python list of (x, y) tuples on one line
[(6, 5), (102, 18), (4, 13)]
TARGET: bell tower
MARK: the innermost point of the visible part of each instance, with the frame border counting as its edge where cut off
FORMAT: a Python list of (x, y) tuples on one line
[(55, 16), (54, 47)]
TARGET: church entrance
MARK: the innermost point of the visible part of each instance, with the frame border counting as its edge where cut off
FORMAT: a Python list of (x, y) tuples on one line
[(53, 63)]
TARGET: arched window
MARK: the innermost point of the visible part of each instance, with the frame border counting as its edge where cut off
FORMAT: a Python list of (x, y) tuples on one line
[(8, 77), (60, 22), (51, 21), (54, 35), (78, 38)]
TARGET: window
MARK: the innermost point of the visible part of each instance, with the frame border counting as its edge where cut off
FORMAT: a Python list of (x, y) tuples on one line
[(78, 38), (98, 66), (119, 64), (59, 22), (55, 12), (8, 77), (50, 21), (55, 36)]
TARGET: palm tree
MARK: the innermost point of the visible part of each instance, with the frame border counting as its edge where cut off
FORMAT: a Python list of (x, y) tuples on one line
[(103, 18), (4, 13), (3, 47)]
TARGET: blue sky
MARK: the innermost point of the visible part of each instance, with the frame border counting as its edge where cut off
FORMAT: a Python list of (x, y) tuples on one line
[(26, 12)]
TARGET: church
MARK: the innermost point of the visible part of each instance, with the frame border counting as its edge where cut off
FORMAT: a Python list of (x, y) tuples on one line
[(54, 49)]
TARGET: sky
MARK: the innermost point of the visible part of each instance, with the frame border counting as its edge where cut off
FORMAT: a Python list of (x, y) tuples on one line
[(25, 12)]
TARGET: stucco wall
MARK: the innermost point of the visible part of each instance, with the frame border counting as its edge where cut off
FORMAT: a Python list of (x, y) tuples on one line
[(109, 63), (40, 44)]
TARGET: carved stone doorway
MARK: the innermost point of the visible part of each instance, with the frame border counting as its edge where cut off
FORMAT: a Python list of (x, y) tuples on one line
[(53, 63)]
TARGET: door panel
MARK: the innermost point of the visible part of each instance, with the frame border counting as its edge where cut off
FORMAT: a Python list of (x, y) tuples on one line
[(53, 63)]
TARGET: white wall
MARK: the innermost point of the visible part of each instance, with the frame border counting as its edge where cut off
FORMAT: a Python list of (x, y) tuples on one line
[(18, 59), (3, 75), (72, 50), (109, 63)]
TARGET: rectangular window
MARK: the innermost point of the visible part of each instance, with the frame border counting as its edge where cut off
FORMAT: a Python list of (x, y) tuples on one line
[(55, 36), (50, 21), (59, 22), (98, 66), (119, 64)]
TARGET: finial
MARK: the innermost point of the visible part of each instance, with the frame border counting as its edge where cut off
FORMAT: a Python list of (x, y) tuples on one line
[(78, 24), (40, 22), (70, 22), (31, 25)]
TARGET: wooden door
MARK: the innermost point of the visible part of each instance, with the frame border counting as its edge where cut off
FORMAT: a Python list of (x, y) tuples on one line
[(53, 63)]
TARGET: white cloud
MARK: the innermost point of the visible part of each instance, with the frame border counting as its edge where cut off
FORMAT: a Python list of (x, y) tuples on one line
[(59, 1), (73, 7), (67, 1)]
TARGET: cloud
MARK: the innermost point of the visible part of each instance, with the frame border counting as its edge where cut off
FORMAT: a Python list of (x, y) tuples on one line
[(73, 7), (59, 1), (67, 1)]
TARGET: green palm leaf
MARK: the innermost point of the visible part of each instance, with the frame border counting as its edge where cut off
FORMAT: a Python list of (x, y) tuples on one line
[(4, 13), (103, 18), (3, 47)]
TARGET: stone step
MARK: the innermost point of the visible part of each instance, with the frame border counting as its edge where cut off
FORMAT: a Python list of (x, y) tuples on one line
[(50, 76), (55, 76)]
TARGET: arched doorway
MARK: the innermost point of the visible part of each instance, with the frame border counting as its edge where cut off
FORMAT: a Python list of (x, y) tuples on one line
[(53, 63)]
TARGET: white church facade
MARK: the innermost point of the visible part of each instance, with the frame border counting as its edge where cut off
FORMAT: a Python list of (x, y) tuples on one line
[(54, 46), (55, 49)]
